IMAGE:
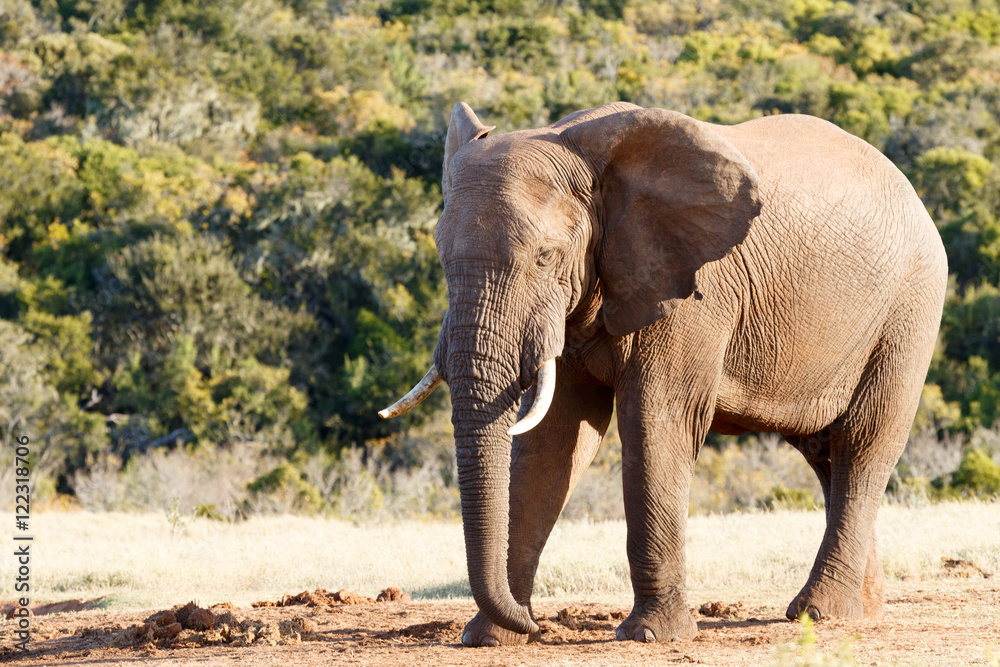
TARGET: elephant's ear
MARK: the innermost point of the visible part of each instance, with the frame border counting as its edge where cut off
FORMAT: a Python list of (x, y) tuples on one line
[(463, 127), (675, 195)]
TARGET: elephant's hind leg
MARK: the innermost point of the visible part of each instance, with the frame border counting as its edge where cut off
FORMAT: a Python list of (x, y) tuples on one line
[(816, 450), (865, 442), (546, 464)]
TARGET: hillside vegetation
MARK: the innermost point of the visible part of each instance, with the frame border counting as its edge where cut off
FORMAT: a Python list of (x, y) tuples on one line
[(216, 217)]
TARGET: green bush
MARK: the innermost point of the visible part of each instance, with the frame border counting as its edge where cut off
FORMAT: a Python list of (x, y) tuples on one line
[(977, 474), (282, 490), (67, 347), (791, 499)]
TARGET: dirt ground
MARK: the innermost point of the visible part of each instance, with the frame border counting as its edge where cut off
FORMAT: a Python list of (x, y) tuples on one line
[(931, 623)]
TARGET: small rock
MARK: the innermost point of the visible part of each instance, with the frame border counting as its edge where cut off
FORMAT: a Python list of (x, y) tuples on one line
[(181, 612), (393, 594), (168, 631), (200, 620), (162, 618), (350, 597)]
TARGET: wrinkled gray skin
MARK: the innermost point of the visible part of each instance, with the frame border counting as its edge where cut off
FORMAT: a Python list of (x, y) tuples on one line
[(779, 275)]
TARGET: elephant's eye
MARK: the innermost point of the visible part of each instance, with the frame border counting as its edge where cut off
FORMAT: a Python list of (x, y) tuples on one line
[(545, 257)]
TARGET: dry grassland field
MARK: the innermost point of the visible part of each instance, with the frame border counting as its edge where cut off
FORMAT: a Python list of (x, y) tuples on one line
[(939, 612)]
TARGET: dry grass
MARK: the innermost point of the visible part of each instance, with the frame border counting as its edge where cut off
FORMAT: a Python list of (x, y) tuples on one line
[(147, 560)]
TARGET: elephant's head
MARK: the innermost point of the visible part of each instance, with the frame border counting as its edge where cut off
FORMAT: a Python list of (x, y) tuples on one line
[(633, 200)]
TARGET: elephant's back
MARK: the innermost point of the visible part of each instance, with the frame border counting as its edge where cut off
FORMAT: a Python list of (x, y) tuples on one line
[(833, 197), (827, 191), (811, 156), (817, 162), (840, 235)]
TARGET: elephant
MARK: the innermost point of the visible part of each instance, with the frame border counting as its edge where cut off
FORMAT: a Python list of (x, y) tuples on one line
[(778, 275)]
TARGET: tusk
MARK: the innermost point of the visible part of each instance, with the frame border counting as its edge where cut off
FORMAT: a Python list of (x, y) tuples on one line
[(421, 391), (545, 389)]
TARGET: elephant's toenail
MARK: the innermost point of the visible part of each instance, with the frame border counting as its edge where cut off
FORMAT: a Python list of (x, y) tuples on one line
[(489, 641), (467, 639), (620, 635), (676, 639), (814, 613), (648, 636)]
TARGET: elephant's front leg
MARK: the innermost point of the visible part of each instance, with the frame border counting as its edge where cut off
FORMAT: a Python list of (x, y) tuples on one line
[(546, 464), (659, 445)]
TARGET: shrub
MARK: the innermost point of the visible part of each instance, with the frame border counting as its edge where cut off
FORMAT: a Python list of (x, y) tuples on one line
[(763, 473), (791, 499), (99, 486), (977, 474), (283, 490)]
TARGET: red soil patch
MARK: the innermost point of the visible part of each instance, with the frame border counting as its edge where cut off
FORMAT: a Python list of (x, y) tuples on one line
[(920, 626)]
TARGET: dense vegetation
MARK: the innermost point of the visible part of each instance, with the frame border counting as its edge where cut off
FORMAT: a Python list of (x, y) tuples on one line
[(216, 217)]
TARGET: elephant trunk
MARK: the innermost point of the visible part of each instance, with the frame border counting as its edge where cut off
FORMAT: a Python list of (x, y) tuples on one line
[(484, 395)]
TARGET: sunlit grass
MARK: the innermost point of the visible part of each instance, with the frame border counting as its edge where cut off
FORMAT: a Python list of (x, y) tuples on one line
[(145, 560)]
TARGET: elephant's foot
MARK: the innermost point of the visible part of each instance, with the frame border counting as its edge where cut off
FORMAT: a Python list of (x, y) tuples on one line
[(657, 622), (822, 603), (481, 631), (827, 602)]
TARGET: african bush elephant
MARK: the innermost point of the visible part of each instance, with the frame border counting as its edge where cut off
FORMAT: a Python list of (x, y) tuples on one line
[(779, 275)]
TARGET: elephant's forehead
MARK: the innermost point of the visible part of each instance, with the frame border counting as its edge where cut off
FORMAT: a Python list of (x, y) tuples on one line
[(508, 195), (484, 225), (518, 160)]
